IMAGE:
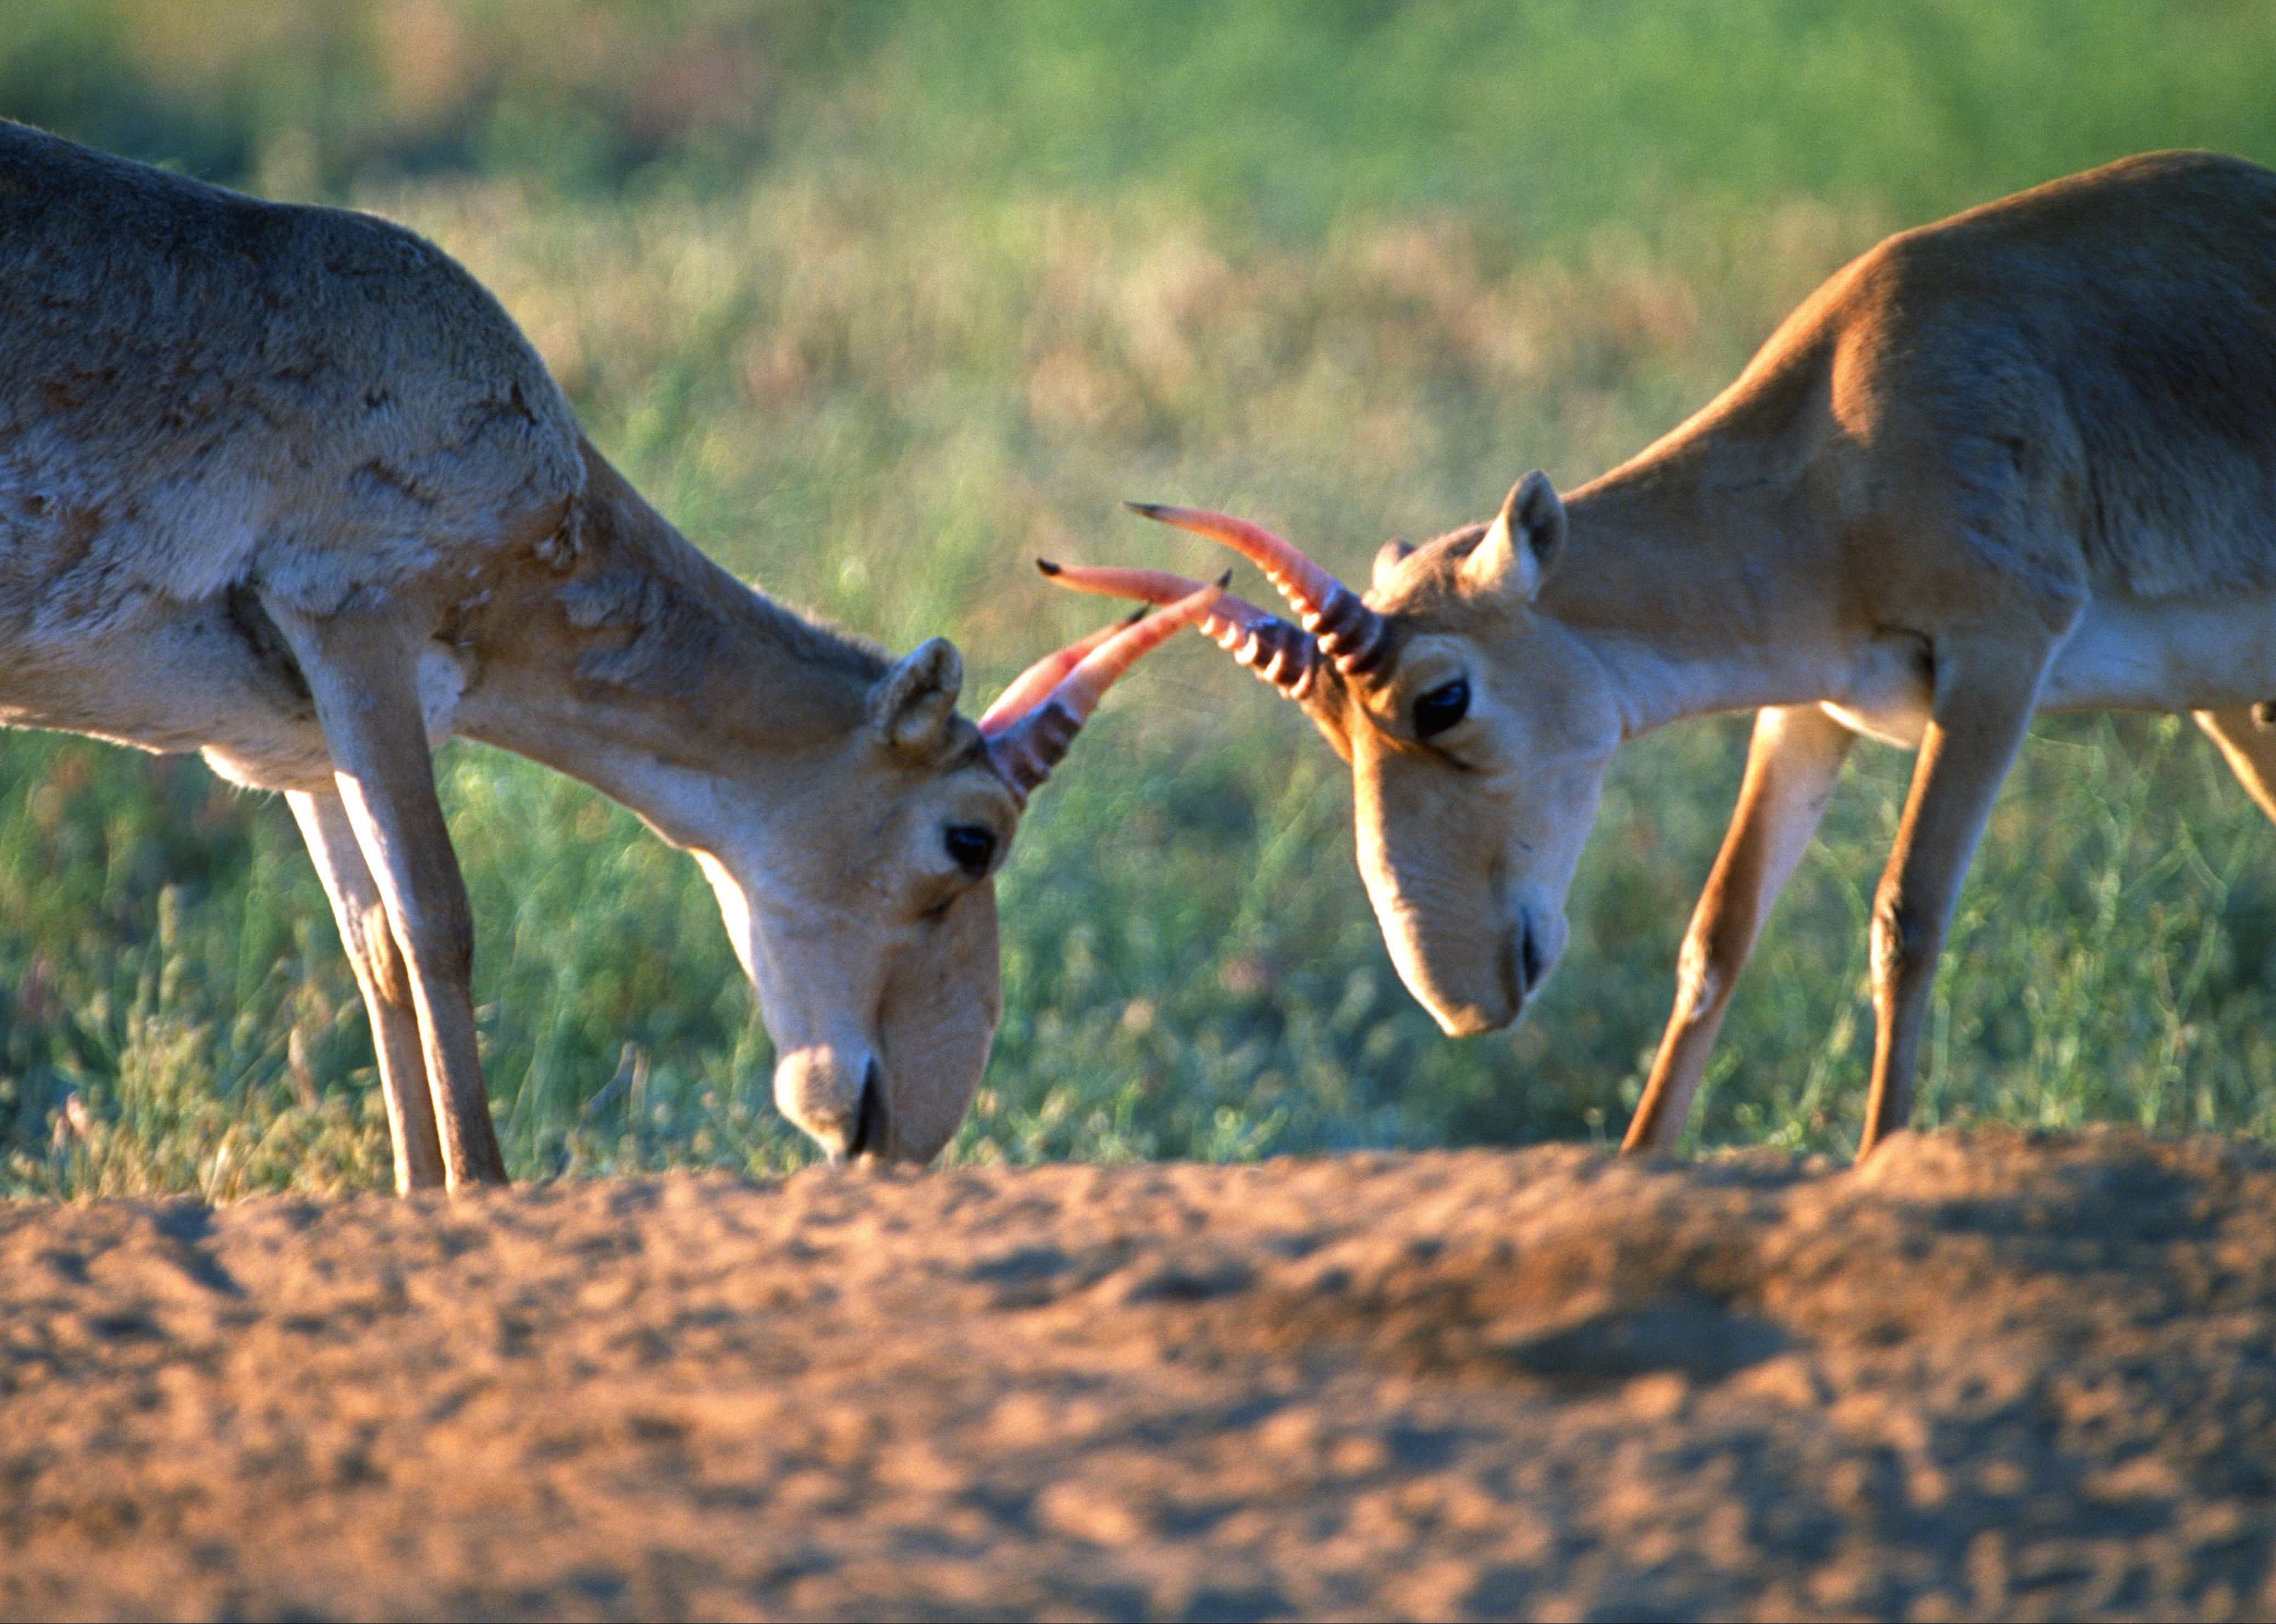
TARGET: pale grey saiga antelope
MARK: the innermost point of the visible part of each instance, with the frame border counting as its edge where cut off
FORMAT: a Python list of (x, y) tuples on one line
[(285, 486), (2021, 459)]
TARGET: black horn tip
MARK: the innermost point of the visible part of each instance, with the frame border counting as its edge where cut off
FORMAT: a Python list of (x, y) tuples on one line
[(1146, 510), (1047, 566), (1138, 614), (1224, 580)]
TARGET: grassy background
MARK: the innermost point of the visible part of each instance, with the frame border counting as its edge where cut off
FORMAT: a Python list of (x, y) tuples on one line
[(878, 299)]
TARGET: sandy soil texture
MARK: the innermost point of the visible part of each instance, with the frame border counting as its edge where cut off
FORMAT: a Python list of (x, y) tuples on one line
[(1987, 1375)]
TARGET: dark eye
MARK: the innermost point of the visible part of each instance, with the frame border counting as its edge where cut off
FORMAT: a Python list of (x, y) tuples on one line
[(1442, 707), (971, 847)]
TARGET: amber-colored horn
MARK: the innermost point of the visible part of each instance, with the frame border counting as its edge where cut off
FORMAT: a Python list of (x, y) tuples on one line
[(1349, 633), (1280, 653), (1040, 678), (1024, 748)]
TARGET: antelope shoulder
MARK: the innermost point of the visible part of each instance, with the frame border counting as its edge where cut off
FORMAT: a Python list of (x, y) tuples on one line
[(2074, 379)]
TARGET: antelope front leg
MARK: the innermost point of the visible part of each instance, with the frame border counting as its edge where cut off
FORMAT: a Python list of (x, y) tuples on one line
[(378, 960), (361, 671), (1792, 765), (1986, 690), (2249, 747)]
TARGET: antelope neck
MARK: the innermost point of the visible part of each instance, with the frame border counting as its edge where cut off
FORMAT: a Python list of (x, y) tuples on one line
[(1683, 574), (669, 674)]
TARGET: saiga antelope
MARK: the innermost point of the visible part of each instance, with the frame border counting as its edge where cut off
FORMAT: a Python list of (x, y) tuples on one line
[(284, 486), (2022, 459)]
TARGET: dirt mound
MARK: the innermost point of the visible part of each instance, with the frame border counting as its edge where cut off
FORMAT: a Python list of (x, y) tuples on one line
[(1993, 1375)]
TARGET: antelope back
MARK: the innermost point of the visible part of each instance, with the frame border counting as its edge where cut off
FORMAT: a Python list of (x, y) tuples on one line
[(204, 389)]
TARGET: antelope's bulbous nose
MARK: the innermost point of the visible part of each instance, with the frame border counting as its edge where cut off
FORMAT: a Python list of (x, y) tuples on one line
[(1474, 1018), (838, 1100), (1535, 948), (1471, 994)]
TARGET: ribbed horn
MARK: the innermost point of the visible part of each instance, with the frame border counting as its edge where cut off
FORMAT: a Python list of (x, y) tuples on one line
[(1280, 653), (1030, 686), (1349, 633), (1024, 747)]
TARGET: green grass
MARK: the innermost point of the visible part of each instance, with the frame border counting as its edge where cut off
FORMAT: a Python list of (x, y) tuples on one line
[(877, 304)]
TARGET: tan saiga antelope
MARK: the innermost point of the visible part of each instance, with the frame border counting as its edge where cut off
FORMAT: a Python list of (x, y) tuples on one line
[(2022, 459), (285, 486)]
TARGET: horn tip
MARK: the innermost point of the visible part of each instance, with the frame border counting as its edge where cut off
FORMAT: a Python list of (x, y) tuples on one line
[(1047, 566), (1224, 580), (1147, 510)]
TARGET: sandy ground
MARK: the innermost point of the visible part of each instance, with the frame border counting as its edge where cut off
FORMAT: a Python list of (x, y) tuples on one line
[(2031, 1377)]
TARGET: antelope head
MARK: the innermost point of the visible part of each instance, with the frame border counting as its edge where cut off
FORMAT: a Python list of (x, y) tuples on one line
[(1477, 728), (864, 907)]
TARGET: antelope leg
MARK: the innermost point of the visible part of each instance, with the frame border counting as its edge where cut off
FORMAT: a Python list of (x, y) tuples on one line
[(380, 972), (2249, 748), (1986, 690), (1792, 763), (361, 671)]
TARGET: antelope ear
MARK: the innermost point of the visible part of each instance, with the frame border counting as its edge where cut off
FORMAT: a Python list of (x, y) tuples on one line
[(913, 704), (1517, 551), (1387, 560)]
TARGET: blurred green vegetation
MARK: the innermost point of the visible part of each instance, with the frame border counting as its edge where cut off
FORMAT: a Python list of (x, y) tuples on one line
[(879, 299)]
